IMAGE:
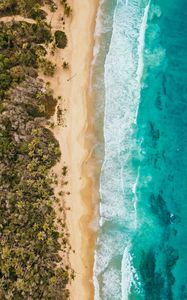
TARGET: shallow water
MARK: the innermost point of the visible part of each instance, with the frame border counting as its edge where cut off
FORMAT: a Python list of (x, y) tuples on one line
[(141, 85)]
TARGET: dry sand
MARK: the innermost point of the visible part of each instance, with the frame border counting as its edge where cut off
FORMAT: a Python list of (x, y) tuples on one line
[(76, 139), (82, 237)]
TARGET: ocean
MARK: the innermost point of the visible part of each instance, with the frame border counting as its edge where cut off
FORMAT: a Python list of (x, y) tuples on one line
[(139, 81)]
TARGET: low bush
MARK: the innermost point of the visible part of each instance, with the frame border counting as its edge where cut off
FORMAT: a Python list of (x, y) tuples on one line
[(61, 39)]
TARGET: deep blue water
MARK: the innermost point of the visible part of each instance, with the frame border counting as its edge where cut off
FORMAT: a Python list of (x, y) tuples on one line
[(142, 243)]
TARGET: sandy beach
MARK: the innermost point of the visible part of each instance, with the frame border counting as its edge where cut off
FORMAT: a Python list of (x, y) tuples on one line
[(76, 138), (82, 237)]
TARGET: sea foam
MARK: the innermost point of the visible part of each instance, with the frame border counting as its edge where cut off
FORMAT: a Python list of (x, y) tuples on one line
[(123, 71)]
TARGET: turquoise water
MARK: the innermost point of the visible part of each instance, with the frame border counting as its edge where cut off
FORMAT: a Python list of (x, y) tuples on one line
[(142, 242)]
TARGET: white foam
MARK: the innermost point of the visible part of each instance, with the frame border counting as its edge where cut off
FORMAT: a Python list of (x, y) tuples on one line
[(120, 114), (111, 284), (96, 283), (109, 246), (129, 275), (126, 274), (135, 197), (102, 20), (102, 26), (141, 45), (123, 69), (97, 33)]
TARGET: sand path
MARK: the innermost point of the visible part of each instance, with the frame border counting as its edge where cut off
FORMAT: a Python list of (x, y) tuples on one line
[(17, 18)]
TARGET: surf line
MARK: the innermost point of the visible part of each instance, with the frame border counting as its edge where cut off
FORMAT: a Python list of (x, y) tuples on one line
[(128, 272)]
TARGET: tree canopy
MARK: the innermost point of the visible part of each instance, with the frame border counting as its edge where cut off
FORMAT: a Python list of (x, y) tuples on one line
[(30, 264)]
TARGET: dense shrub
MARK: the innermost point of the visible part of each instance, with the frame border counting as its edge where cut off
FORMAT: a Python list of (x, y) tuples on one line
[(47, 66), (61, 39), (28, 8), (30, 265), (67, 8), (6, 6)]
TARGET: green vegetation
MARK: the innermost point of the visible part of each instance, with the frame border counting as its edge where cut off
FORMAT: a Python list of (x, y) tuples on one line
[(27, 8), (30, 265), (65, 65), (47, 66), (67, 8), (21, 50), (61, 39), (31, 8)]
